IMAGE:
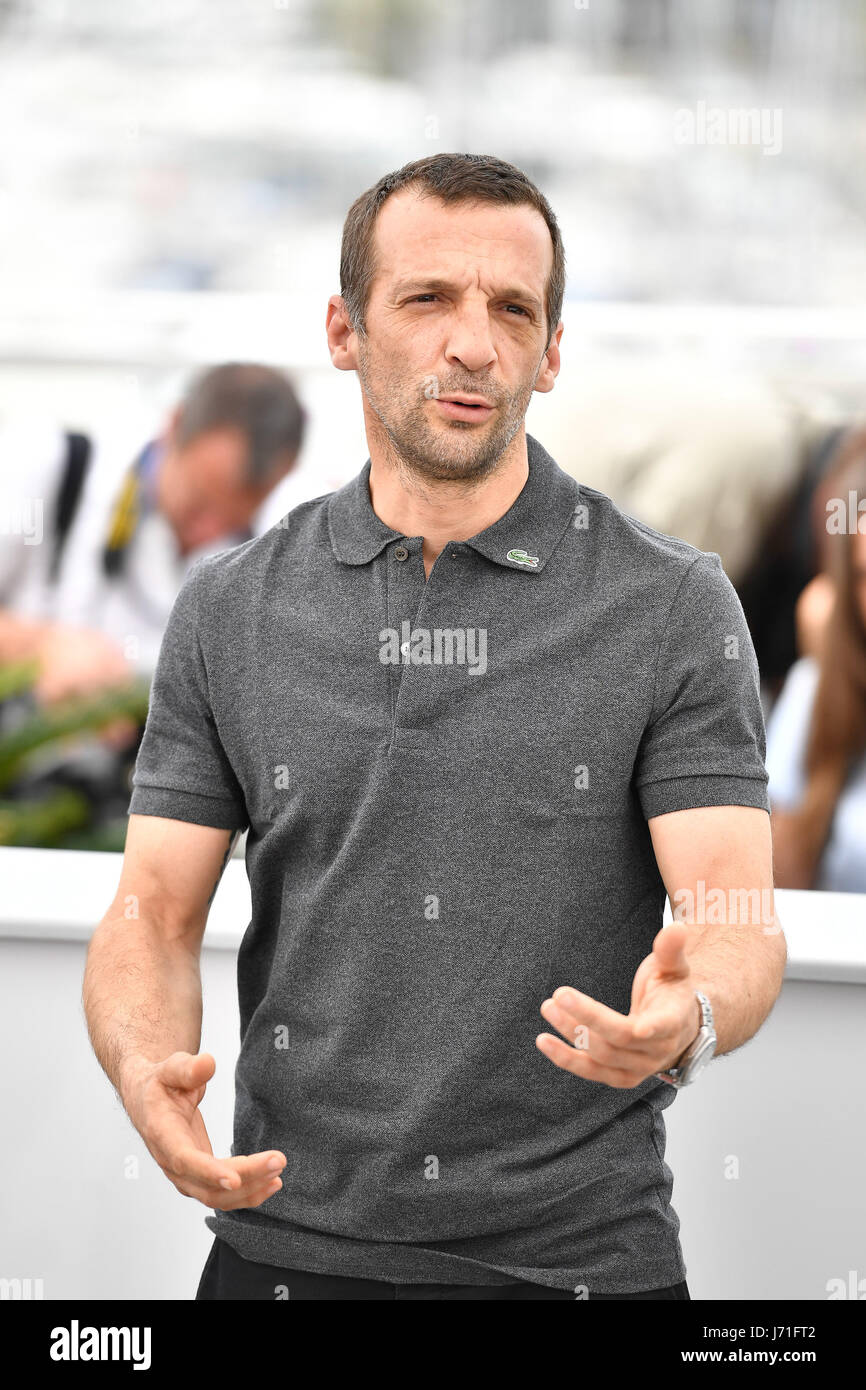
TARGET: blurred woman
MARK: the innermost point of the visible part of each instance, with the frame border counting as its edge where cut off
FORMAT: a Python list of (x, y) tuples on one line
[(816, 733)]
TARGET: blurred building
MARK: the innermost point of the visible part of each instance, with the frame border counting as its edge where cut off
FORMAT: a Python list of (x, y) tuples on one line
[(215, 145)]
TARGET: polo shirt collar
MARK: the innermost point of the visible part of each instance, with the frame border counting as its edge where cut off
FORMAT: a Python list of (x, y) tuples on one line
[(523, 539)]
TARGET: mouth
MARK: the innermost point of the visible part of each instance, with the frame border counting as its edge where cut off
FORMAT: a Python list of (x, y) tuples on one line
[(474, 408)]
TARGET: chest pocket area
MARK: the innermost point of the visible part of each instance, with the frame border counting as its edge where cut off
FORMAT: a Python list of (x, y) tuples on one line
[(549, 782)]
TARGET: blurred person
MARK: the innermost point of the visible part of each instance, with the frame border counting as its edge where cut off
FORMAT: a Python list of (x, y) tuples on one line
[(477, 722), (93, 555), (702, 452), (784, 594), (812, 614), (829, 487), (816, 733)]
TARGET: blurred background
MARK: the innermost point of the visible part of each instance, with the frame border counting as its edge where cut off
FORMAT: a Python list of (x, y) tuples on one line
[(174, 176)]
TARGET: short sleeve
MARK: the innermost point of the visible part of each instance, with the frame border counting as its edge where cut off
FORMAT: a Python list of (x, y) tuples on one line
[(705, 742), (182, 770), (787, 733)]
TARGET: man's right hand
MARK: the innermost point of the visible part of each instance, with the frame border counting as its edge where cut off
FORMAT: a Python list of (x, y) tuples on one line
[(162, 1100)]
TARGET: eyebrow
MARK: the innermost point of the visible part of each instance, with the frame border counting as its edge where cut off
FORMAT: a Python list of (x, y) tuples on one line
[(515, 294)]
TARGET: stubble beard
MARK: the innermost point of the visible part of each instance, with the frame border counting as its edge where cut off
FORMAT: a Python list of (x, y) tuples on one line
[(457, 452)]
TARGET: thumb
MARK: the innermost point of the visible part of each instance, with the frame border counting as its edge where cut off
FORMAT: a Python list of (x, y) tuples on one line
[(188, 1071), (669, 951)]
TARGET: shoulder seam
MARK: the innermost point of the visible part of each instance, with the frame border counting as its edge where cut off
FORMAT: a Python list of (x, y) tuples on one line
[(644, 526), (697, 559), (194, 574)]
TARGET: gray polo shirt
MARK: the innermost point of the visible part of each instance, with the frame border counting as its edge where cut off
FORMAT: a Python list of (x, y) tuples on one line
[(447, 783)]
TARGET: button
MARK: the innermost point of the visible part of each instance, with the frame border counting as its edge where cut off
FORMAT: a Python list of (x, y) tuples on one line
[(405, 648), (401, 553)]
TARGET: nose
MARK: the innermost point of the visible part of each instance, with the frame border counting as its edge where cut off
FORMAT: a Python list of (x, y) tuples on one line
[(470, 341)]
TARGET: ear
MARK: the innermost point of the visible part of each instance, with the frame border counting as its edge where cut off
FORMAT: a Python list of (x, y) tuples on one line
[(549, 369), (342, 339)]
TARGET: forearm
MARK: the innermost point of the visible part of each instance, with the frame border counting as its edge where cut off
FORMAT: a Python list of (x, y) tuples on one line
[(141, 995), (740, 969)]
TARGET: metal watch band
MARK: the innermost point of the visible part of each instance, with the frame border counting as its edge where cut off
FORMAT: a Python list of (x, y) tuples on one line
[(675, 1075)]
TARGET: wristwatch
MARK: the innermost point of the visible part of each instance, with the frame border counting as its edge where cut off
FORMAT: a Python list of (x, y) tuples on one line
[(698, 1053)]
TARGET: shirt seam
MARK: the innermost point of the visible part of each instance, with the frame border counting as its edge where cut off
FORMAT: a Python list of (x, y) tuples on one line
[(197, 634), (229, 800), (664, 633), (574, 503), (184, 791), (702, 776)]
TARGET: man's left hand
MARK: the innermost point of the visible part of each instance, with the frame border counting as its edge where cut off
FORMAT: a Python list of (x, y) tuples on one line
[(622, 1050)]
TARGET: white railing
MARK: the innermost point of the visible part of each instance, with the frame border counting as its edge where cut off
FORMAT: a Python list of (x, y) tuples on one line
[(61, 895)]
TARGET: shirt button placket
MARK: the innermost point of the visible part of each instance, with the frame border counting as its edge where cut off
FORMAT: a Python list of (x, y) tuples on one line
[(405, 612)]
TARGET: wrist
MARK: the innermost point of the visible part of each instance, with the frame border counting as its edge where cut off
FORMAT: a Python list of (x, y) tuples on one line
[(697, 1021), (698, 1051), (130, 1071), (688, 1035)]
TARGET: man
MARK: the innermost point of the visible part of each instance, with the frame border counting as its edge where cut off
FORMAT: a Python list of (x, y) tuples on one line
[(477, 721), (88, 590)]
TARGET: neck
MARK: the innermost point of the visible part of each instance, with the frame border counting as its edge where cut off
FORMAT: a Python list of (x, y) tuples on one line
[(443, 511)]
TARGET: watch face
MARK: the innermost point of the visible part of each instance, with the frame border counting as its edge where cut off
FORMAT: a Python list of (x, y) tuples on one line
[(702, 1057)]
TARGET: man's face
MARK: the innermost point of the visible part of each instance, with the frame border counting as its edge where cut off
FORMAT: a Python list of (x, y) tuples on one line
[(457, 307), (202, 487)]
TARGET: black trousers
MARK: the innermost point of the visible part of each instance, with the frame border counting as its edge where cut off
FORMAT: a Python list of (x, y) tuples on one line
[(228, 1275)]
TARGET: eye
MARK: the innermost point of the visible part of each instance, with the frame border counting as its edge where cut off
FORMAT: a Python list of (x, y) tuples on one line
[(430, 297)]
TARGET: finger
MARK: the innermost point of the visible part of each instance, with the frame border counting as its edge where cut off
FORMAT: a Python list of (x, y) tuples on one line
[(263, 1193), (235, 1174), (181, 1161), (182, 1150), (247, 1196), (251, 1170), (669, 950), (229, 1201), (652, 1027), (637, 1053), (577, 1009), (580, 1063), (186, 1071)]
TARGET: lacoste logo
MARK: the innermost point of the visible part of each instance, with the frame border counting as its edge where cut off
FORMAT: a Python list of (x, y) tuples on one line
[(521, 558)]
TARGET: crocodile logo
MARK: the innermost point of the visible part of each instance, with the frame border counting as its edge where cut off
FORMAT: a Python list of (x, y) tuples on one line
[(520, 557)]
